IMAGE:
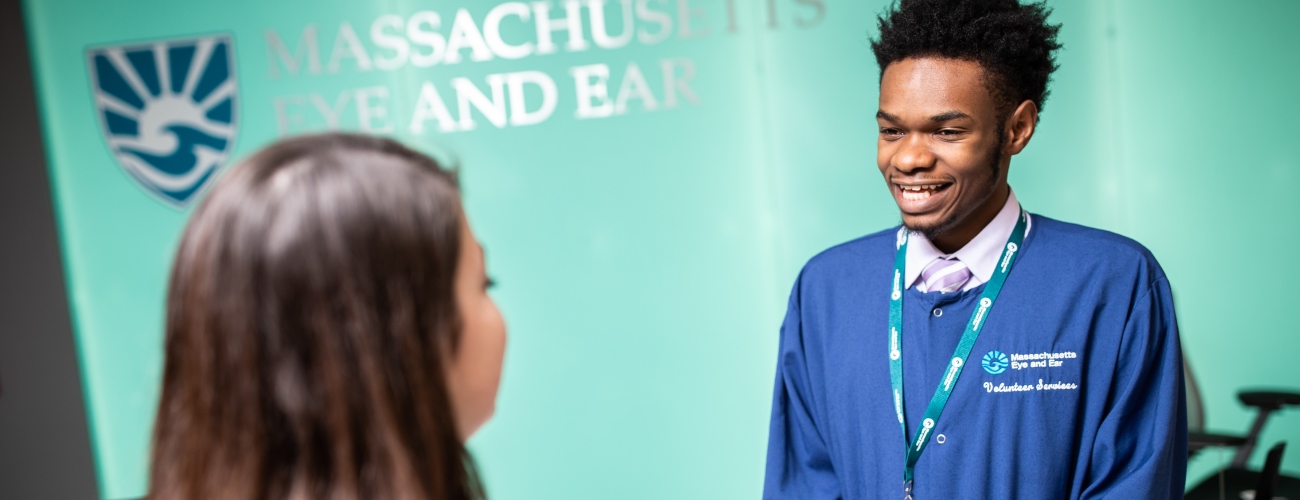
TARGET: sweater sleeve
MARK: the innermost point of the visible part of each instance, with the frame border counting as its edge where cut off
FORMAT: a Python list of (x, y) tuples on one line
[(798, 462), (1140, 450)]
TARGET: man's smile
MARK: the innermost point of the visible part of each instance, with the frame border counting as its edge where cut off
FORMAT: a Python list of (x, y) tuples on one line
[(920, 197)]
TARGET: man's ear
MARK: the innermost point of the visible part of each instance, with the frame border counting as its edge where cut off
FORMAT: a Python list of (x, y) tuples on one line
[(1020, 127)]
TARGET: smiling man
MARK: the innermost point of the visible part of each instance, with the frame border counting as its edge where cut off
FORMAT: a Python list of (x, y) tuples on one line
[(978, 351)]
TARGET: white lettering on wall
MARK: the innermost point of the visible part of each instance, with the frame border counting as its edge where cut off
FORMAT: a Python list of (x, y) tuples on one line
[(511, 30)]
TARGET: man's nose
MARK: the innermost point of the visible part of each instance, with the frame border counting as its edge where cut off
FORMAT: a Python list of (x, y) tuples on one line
[(913, 154)]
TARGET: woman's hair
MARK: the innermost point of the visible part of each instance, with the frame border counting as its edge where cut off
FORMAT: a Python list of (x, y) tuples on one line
[(310, 317)]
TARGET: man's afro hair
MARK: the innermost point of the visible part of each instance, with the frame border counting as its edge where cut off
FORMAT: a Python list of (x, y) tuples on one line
[(1012, 42)]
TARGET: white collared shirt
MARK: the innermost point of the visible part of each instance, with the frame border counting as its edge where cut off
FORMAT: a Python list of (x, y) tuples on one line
[(980, 254)]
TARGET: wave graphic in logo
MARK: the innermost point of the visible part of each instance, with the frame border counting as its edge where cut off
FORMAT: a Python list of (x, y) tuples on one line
[(995, 362), (168, 111)]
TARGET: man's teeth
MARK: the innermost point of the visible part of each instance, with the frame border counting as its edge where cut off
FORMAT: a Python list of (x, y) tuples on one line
[(916, 193)]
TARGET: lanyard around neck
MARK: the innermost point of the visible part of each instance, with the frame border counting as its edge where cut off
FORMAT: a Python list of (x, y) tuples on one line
[(917, 445)]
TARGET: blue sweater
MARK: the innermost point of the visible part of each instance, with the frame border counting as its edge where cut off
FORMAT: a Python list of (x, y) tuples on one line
[(1073, 390)]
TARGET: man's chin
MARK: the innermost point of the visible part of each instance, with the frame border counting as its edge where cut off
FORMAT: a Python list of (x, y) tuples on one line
[(927, 225)]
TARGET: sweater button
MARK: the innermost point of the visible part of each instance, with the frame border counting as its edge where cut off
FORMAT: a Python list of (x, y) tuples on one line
[(938, 312)]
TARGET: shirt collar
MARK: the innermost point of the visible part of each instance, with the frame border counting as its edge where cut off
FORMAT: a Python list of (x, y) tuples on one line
[(980, 254)]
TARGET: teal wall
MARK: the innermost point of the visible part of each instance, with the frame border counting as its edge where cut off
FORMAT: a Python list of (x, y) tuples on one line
[(644, 259)]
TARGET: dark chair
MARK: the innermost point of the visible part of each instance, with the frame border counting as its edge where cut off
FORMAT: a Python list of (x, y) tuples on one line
[(1269, 475), (1236, 479), (1233, 483)]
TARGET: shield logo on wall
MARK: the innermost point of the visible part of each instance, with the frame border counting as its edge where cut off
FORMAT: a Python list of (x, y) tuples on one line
[(168, 111)]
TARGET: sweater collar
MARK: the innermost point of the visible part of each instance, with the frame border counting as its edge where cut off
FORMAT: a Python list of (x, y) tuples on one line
[(980, 254)]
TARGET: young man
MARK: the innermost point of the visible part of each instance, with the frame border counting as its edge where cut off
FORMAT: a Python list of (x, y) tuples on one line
[(979, 351)]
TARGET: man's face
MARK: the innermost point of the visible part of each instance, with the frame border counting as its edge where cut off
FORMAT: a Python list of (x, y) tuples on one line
[(939, 141)]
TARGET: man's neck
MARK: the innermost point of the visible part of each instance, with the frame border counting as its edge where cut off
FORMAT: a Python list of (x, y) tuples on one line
[(952, 240)]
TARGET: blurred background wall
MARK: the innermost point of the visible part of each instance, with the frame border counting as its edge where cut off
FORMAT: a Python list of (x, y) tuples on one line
[(44, 440), (645, 256)]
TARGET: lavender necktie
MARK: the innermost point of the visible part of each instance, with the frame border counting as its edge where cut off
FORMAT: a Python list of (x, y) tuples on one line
[(945, 276)]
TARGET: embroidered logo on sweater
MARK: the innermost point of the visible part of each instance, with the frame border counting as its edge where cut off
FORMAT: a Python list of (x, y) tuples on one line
[(995, 362)]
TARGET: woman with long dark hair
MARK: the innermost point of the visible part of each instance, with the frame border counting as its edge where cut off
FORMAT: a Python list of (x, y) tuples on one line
[(329, 333)]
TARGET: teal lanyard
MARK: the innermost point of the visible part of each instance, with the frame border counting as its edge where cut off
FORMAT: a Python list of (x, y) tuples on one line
[(916, 446)]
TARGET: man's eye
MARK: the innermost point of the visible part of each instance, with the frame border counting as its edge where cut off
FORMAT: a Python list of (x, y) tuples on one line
[(949, 133), (891, 132)]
